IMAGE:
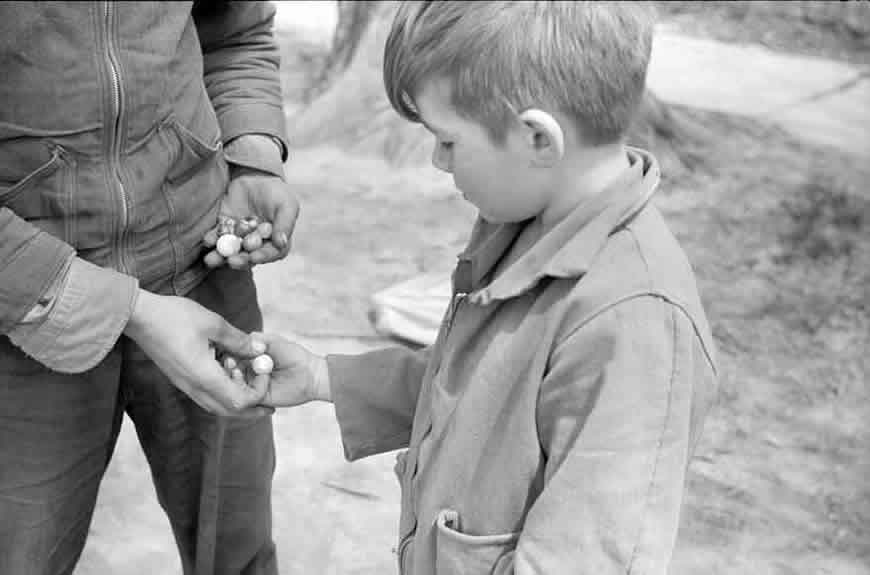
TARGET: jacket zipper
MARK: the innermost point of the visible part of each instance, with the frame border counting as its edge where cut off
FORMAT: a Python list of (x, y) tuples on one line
[(455, 301), (453, 309), (400, 552), (114, 139)]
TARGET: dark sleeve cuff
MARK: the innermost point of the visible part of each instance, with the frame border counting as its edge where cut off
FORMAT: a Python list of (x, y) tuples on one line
[(30, 261), (260, 118), (91, 310), (262, 152)]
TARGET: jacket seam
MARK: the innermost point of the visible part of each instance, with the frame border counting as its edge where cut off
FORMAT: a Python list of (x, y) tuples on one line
[(671, 300), (591, 316), (658, 450), (652, 292), (588, 318)]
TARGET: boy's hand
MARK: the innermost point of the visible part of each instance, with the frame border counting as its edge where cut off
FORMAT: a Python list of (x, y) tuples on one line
[(298, 376), (181, 337)]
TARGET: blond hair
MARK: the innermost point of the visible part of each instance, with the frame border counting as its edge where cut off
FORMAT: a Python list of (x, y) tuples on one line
[(585, 59)]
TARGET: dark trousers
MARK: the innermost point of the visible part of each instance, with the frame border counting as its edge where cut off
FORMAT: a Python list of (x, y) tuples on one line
[(57, 431)]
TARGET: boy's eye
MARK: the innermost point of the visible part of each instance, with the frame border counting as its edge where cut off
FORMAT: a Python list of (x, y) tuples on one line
[(446, 146)]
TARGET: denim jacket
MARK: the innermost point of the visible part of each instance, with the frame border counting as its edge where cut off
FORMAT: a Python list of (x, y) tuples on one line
[(112, 163), (550, 426)]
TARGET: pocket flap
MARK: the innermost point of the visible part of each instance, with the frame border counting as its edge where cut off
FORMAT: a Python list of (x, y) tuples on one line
[(8, 193), (191, 153)]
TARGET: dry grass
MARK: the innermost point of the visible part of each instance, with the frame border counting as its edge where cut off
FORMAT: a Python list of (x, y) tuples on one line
[(839, 30)]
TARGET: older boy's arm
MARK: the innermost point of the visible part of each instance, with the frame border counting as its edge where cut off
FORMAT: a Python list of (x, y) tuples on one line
[(57, 308), (375, 396), (616, 420), (241, 71)]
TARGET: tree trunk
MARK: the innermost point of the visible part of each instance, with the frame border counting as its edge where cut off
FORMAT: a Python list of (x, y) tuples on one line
[(353, 19), (351, 109)]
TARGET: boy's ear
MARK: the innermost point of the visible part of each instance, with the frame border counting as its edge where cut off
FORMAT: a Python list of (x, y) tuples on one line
[(547, 137)]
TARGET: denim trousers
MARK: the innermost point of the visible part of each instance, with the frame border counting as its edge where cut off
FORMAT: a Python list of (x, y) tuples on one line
[(212, 475)]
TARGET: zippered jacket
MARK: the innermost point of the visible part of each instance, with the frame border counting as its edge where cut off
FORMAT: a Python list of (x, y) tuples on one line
[(112, 125)]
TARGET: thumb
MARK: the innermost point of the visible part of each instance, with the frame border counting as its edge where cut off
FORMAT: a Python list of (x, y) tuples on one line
[(284, 221), (236, 342)]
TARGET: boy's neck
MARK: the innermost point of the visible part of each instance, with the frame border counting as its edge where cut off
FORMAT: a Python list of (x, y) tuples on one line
[(582, 175)]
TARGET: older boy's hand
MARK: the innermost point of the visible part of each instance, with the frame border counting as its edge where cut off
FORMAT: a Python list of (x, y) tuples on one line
[(298, 376), (268, 197)]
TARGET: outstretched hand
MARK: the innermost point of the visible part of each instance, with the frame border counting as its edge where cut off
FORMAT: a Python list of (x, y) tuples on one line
[(298, 375), (182, 337)]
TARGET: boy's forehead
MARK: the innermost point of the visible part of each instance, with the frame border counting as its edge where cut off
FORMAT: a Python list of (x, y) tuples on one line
[(433, 105)]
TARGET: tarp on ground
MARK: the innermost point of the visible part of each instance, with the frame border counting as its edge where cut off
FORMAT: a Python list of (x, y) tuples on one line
[(412, 310)]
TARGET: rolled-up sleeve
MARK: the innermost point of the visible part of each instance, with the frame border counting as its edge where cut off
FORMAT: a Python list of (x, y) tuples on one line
[(89, 311), (258, 152), (241, 68), (615, 419), (30, 261)]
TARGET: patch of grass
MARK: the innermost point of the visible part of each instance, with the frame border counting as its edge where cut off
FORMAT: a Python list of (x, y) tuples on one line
[(777, 232), (828, 221), (823, 252), (838, 30)]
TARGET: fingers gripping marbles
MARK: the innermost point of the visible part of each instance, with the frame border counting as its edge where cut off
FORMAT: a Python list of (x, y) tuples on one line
[(234, 235), (239, 369)]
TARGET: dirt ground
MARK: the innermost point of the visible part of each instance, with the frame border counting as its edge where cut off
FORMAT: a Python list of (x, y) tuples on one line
[(779, 234)]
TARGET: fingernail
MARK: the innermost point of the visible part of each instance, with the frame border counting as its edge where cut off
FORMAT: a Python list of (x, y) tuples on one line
[(258, 346)]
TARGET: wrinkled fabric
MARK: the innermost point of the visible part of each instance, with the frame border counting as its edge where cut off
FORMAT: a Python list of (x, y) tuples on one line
[(113, 162), (212, 475), (550, 426), (111, 142)]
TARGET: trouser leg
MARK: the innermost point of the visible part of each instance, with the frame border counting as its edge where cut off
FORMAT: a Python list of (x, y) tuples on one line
[(213, 475), (57, 433)]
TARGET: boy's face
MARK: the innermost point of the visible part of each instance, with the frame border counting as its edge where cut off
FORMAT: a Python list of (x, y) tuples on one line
[(499, 180)]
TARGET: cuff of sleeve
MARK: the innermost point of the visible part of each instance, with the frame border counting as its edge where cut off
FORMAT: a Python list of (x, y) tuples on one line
[(360, 436), (262, 152), (265, 119), (90, 312), (23, 282)]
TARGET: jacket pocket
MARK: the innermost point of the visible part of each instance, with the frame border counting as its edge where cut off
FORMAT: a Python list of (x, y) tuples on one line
[(192, 152), (45, 196), (196, 181), (459, 553)]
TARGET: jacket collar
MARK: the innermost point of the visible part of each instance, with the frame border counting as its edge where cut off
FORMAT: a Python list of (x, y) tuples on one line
[(567, 249)]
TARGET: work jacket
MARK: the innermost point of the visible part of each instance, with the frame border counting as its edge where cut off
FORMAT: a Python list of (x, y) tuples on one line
[(550, 426), (113, 117)]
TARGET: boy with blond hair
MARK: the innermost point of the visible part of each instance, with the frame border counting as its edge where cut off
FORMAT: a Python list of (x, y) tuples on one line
[(550, 426)]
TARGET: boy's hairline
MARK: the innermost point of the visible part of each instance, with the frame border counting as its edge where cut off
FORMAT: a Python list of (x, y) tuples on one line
[(405, 101)]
